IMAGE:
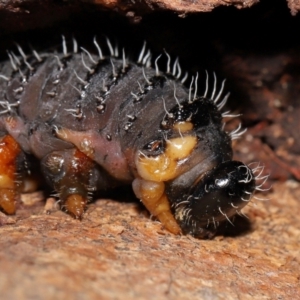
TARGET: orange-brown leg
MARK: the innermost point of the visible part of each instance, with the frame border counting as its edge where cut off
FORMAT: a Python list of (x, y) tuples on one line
[(70, 173), (9, 150), (153, 197)]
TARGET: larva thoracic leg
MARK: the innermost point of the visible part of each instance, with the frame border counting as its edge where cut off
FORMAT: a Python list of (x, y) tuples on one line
[(70, 172), (9, 151)]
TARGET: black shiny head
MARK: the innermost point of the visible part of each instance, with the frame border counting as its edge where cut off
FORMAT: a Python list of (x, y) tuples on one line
[(217, 196)]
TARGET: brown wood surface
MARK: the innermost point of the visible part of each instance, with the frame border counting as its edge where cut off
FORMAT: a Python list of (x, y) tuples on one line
[(117, 252)]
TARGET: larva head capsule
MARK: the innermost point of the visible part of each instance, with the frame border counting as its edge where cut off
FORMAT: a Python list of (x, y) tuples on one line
[(214, 197), (189, 171)]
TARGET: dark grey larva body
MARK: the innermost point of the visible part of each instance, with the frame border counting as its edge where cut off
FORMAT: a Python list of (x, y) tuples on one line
[(113, 111)]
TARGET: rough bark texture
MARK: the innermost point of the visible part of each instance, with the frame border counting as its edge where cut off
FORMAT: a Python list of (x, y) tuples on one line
[(134, 7), (117, 252), (186, 6), (138, 6), (16, 15)]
